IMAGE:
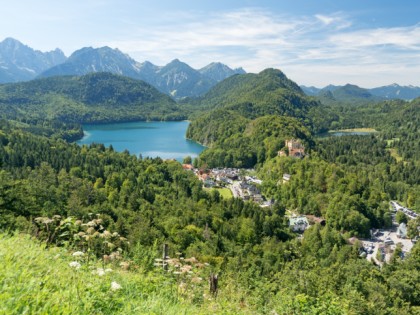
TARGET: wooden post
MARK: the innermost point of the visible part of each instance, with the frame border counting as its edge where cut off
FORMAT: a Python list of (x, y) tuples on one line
[(213, 279), (164, 259)]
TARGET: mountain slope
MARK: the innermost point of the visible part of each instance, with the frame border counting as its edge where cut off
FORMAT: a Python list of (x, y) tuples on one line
[(268, 102), (180, 80), (176, 78), (88, 60), (19, 62), (310, 90), (96, 97), (217, 71), (253, 95), (395, 91), (347, 94)]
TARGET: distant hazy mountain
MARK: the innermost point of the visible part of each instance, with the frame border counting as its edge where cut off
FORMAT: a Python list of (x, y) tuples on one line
[(331, 88), (147, 72), (88, 60), (176, 78), (395, 91), (310, 90), (218, 71), (180, 80), (19, 62), (347, 93)]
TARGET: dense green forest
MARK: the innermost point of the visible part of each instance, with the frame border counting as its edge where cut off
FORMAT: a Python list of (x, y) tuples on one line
[(41, 105), (150, 201), (107, 204), (248, 118)]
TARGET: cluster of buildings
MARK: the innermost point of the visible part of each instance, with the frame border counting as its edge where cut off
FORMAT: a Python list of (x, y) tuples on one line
[(247, 191), (299, 223), (293, 148), (217, 177), (242, 186)]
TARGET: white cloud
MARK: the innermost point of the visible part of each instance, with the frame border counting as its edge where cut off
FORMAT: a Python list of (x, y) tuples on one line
[(403, 37), (326, 46)]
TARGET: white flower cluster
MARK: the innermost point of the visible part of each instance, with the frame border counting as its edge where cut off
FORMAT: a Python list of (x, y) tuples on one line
[(101, 272), (115, 286), (75, 264)]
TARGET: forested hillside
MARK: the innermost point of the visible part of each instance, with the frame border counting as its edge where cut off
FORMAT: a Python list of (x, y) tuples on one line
[(97, 97), (248, 118)]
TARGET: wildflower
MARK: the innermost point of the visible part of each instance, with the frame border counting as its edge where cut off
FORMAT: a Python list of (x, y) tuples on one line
[(100, 272), (125, 265), (78, 254), (108, 270), (191, 260), (74, 264), (196, 280), (115, 286), (186, 268), (106, 234), (90, 230)]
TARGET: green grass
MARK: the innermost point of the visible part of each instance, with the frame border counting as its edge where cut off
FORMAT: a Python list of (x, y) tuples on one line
[(38, 280), (226, 193)]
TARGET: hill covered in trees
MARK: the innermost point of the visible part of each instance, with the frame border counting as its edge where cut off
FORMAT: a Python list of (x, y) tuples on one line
[(249, 116), (95, 98)]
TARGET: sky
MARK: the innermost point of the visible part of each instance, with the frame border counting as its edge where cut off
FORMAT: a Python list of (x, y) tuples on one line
[(369, 43)]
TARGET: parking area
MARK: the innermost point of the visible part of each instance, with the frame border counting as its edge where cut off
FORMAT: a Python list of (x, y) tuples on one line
[(385, 241)]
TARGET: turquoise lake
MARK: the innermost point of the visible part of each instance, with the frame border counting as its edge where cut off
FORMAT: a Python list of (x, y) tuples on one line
[(150, 139)]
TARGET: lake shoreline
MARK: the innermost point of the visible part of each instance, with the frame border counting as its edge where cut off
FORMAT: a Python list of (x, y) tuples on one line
[(164, 139)]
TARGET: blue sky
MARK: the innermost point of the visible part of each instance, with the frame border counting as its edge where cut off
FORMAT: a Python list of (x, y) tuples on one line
[(364, 42)]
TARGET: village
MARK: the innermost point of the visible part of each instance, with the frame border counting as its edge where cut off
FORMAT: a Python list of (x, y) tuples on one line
[(382, 243), (243, 184)]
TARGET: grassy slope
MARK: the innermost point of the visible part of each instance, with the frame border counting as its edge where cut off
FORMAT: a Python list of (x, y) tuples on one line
[(39, 280)]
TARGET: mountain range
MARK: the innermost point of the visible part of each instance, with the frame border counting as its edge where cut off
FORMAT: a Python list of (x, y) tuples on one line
[(21, 63), (340, 93)]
